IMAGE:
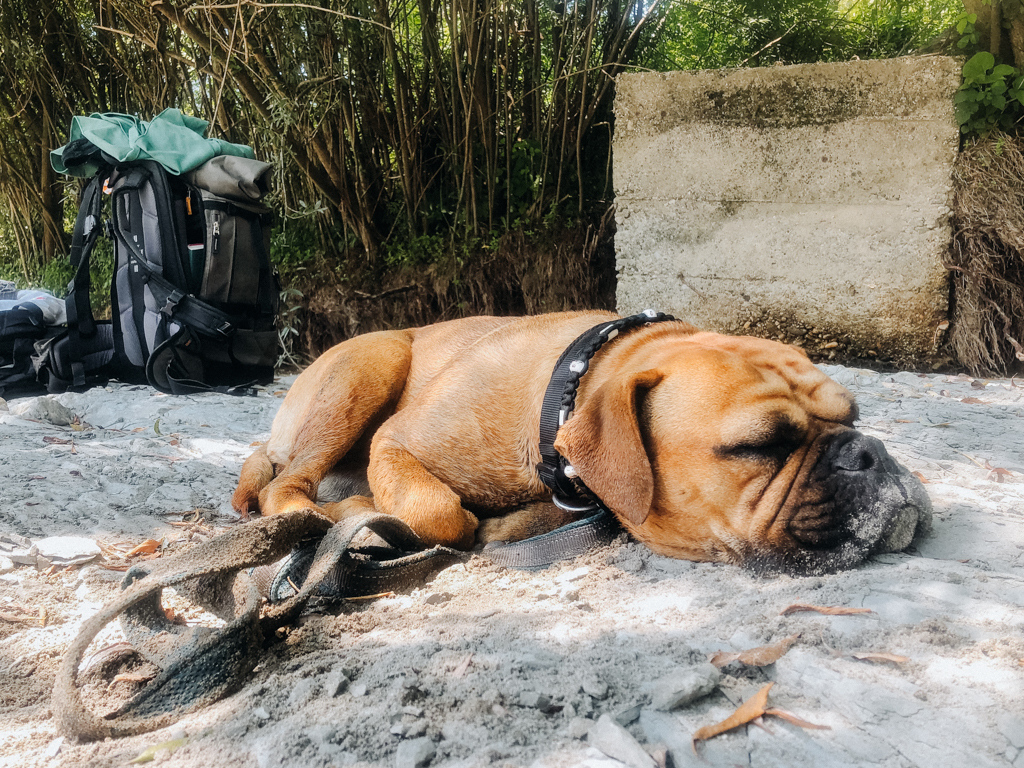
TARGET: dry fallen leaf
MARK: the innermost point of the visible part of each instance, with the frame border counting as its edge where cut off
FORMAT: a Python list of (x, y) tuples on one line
[(756, 657), (828, 610), (974, 401), (906, 421), (920, 477), (148, 547), (789, 717), (150, 753), (56, 440), (997, 472), (881, 657), (749, 710)]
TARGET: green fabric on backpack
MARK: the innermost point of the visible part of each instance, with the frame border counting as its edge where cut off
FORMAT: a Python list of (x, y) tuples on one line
[(178, 142)]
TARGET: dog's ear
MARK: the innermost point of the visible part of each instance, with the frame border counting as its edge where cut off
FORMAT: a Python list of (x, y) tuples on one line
[(602, 441)]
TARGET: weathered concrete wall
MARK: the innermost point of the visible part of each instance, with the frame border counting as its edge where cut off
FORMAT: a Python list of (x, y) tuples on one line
[(807, 203)]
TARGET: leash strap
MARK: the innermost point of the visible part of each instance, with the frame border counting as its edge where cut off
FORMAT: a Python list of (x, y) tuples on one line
[(200, 665), (568, 491)]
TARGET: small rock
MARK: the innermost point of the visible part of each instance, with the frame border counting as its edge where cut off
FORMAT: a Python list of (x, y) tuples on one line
[(6, 565), (415, 730), (260, 713), (336, 682), (412, 710), (616, 742), (398, 729), (683, 686), (3, 405), (532, 700), (437, 598), (415, 753), (357, 690), (579, 727), (45, 409), (63, 551), (596, 688), (663, 728), (627, 716)]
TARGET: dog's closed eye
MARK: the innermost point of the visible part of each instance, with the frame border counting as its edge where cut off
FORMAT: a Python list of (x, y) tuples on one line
[(774, 445)]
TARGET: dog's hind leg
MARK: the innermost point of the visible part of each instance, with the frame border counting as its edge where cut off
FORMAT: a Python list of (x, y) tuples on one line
[(257, 473), (353, 385), (403, 487)]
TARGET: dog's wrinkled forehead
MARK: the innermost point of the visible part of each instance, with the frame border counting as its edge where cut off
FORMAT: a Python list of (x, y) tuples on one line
[(765, 366)]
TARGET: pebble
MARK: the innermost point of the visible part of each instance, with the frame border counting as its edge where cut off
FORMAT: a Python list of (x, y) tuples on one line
[(336, 682), (533, 700), (357, 690), (627, 716), (663, 728), (415, 753), (45, 409), (579, 727), (616, 742), (260, 713), (437, 598), (596, 688), (6, 565), (683, 686), (68, 550)]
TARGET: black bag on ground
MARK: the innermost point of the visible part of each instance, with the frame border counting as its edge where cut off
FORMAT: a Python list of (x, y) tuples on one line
[(193, 296), (27, 318)]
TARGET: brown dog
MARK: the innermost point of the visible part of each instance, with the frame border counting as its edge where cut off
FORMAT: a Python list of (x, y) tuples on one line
[(706, 447)]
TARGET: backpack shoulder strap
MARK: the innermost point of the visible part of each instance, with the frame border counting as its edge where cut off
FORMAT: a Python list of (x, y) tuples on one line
[(77, 303)]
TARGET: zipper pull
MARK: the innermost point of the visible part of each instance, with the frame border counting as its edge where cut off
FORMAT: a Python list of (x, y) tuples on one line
[(216, 236)]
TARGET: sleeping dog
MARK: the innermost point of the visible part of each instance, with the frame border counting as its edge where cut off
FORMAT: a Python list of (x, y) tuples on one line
[(705, 446)]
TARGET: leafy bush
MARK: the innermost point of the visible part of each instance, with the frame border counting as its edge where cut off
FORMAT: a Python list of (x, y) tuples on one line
[(992, 96)]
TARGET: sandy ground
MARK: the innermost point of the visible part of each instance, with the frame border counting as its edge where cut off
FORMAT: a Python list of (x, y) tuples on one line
[(484, 666)]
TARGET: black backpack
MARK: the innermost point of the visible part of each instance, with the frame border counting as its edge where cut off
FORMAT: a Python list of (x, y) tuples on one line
[(193, 296)]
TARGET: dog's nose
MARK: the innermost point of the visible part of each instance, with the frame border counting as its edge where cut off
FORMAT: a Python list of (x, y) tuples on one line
[(859, 453)]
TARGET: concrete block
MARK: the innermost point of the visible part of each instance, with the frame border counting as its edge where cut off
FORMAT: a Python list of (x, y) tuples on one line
[(785, 200)]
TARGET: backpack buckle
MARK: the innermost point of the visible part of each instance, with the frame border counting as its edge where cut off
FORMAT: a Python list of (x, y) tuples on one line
[(173, 300)]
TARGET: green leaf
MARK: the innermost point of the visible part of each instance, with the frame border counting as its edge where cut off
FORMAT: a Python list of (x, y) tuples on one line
[(963, 113), (998, 88), (979, 64), (999, 102), (1002, 70)]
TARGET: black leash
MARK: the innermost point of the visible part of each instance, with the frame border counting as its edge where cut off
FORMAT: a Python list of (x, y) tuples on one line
[(276, 558)]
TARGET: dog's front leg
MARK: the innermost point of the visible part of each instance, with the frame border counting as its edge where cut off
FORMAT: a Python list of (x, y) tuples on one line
[(403, 487)]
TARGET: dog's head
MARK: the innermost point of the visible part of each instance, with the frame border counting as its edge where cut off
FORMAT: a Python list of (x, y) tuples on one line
[(736, 449)]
